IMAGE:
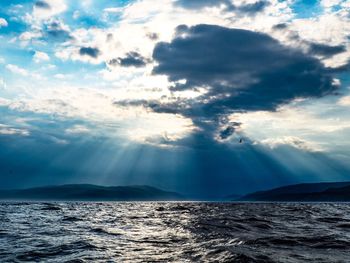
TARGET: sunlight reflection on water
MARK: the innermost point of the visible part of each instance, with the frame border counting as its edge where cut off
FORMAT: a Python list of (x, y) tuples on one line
[(174, 232)]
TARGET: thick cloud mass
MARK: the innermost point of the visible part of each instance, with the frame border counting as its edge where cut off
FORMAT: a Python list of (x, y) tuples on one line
[(55, 31), (132, 59), (325, 50), (42, 4), (89, 51), (240, 70), (249, 9)]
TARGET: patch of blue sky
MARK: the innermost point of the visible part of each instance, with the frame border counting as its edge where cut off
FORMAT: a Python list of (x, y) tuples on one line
[(87, 21), (306, 8), (13, 54), (88, 14), (14, 26), (5, 4)]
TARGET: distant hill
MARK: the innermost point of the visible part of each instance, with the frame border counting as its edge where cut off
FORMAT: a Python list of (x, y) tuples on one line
[(88, 192), (312, 192)]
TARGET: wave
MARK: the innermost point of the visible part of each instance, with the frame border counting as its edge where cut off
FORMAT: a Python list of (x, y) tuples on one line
[(174, 232)]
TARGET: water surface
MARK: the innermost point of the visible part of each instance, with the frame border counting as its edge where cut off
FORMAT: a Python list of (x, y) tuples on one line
[(174, 232)]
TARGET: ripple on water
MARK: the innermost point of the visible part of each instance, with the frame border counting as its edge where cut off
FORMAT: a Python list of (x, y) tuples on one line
[(174, 232)]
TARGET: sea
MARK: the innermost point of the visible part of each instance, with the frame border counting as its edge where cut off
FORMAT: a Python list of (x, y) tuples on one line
[(174, 232)]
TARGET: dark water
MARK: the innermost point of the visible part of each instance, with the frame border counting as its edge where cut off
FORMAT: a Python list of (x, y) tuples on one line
[(174, 232)]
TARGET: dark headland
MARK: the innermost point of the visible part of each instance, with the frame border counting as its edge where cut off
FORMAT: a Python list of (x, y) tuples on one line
[(88, 192), (309, 192)]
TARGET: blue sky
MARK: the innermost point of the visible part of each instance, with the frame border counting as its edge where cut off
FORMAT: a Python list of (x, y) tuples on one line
[(133, 92)]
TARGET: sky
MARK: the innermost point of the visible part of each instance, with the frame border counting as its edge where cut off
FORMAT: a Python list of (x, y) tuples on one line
[(203, 97)]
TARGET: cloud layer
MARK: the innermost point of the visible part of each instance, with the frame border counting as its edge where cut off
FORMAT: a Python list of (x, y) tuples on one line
[(236, 70)]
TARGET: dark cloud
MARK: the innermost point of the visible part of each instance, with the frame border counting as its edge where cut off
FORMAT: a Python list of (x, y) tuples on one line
[(227, 132), (109, 37), (280, 26), (239, 70), (55, 31), (253, 8), (248, 9), (152, 36), (42, 4), (89, 51), (132, 59), (326, 50)]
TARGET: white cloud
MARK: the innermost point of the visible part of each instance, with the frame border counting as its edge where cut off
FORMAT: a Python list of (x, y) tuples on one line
[(55, 7), (142, 18), (60, 76), (131, 33), (330, 3), (78, 129), (17, 70), (3, 22), (329, 28), (291, 141), (114, 10), (345, 101), (76, 14), (7, 130), (27, 36), (97, 107), (3, 85), (313, 123), (40, 56)]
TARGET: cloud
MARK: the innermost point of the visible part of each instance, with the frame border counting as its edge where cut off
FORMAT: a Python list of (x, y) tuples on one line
[(254, 7), (42, 4), (60, 76), (113, 10), (291, 141), (51, 29), (239, 70), (280, 26), (3, 22), (198, 4), (2, 83), (244, 8), (330, 3), (40, 56), (43, 10), (56, 30), (77, 129), (17, 70), (323, 123), (152, 36), (7, 130), (27, 36), (89, 51), (229, 130), (326, 50), (344, 101), (132, 59)]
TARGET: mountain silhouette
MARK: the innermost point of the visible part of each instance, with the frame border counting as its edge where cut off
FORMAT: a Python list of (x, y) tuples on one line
[(309, 192), (89, 192)]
